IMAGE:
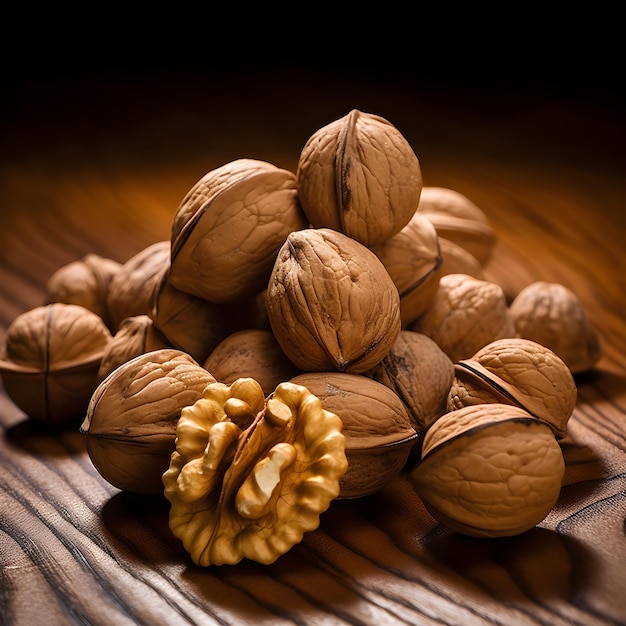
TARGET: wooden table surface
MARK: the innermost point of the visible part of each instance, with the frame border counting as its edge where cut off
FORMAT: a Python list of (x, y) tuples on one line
[(99, 165)]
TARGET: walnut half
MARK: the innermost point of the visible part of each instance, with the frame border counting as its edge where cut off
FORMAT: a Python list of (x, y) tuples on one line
[(251, 475)]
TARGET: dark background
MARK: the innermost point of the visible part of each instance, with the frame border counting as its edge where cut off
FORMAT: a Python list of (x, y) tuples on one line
[(202, 74)]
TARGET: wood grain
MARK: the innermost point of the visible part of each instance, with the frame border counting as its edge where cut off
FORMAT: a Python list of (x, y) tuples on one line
[(81, 175)]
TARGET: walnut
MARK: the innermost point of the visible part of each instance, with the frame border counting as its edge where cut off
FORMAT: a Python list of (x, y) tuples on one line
[(359, 175), (131, 289), (251, 353), (552, 315), (489, 470), (458, 219), (519, 372), (420, 373), (84, 282), (376, 425), (130, 424), (250, 476), (190, 323), (413, 260), (50, 359), (136, 335), (457, 260), (466, 314), (228, 229), (331, 303)]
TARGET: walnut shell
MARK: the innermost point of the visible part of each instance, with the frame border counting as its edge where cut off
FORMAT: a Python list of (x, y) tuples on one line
[(251, 353), (413, 260), (131, 290), (130, 425), (331, 303), (376, 425), (458, 219), (552, 315), (135, 335), (50, 360), (420, 373), (489, 470), (519, 372), (190, 323), (465, 315), (457, 260), (359, 175), (228, 229), (84, 282)]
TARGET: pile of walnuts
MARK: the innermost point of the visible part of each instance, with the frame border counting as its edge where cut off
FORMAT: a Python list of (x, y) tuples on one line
[(215, 364)]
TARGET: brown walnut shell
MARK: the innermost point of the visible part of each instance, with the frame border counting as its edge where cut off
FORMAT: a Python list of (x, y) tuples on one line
[(130, 425), (251, 353), (228, 229), (458, 219), (331, 303), (131, 290), (84, 282), (552, 315), (420, 373), (50, 361), (359, 175), (489, 470), (518, 372), (376, 426), (135, 335), (465, 315), (413, 259)]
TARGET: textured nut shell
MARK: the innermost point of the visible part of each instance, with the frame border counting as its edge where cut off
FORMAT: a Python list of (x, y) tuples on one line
[(517, 371), (376, 425), (457, 260), (420, 373), (50, 361), (489, 471), (413, 260), (131, 290), (240, 492), (359, 175), (465, 315), (191, 324), (331, 303), (130, 425), (552, 315), (459, 220), (84, 282), (251, 353), (135, 335), (228, 229)]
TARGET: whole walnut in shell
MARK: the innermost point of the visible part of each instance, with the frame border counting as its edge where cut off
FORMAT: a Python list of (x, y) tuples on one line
[(552, 315), (251, 353), (331, 303), (458, 219), (489, 470), (131, 290), (228, 229), (466, 314), (84, 282), (519, 372), (413, 260), (359, 175), (50, 360), (135, 335), (420, 373), (376, 426), (130, 424)]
